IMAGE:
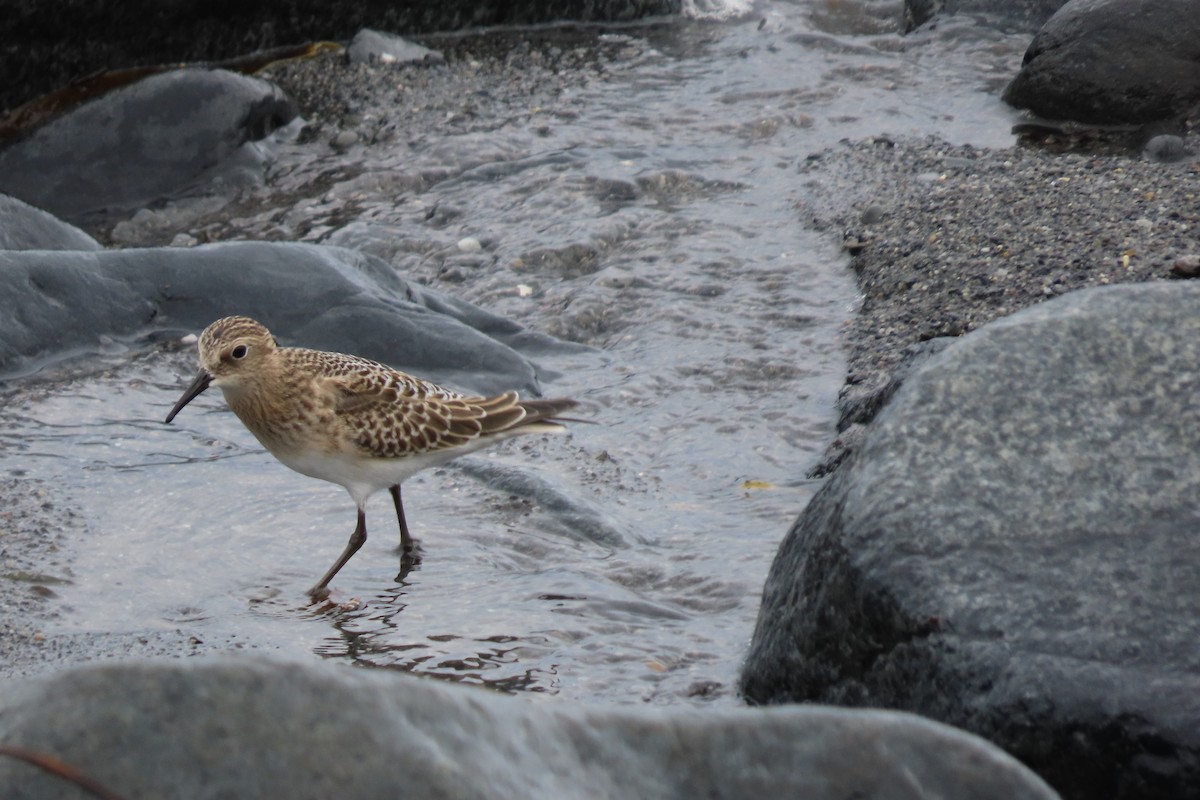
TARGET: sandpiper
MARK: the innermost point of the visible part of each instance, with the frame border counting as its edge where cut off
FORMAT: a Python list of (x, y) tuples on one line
[(351, 421)]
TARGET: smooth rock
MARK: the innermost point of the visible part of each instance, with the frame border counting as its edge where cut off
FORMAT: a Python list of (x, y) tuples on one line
[(308, 295), (154, 139), (344, 139), (248, 727), (1013, 550), (1167, 149), (23, 227), (1113, 62), (375, 47)]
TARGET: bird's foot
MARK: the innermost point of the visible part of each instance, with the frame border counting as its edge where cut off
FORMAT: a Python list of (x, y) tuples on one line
[(408, 560), (410, 551)]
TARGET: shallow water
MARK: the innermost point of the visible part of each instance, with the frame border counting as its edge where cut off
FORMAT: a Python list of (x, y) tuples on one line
[(652, 215)]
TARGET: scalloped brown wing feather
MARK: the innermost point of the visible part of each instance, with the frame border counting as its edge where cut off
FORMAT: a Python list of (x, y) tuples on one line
[(403, 416)]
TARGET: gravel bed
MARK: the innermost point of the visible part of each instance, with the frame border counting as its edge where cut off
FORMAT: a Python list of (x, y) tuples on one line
[(946, 238), (486, 82)]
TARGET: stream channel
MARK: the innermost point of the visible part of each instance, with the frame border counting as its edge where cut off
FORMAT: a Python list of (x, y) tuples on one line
[(652, 210)]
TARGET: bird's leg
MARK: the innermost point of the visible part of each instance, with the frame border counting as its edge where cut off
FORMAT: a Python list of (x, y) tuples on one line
[(320, 591), (408, 547)]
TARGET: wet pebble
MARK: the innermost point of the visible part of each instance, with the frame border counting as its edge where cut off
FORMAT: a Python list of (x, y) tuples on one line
[(872, 214), (344, 139)]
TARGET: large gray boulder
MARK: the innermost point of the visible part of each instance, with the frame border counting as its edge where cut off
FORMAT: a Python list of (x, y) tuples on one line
[(156, 138), (1112, 62), (250, 728), (329, 298), (1013, 550)]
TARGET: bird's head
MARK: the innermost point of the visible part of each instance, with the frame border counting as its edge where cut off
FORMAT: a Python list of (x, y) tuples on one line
[(233, 352)]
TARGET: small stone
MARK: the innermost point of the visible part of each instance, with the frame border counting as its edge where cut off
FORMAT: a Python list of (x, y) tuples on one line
[(872, 214), (1166, 149), (344, 139), (855, 243), (374, 47), (470, 244), (1187, 266)]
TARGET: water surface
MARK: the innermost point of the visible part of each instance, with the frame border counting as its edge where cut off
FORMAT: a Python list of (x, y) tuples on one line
[(653, 213)]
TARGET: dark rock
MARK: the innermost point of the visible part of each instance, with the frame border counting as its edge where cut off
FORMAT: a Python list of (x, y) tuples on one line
[(23, 227), (322, 297), (1013, 549), (1187, 266), (1113, 62), (1024, 13), (373, 47), (63, 40), (150, 140), (255, 728), (872, 214)]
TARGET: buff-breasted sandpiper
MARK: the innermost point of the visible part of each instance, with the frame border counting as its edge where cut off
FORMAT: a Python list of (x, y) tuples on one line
[(352, 421)]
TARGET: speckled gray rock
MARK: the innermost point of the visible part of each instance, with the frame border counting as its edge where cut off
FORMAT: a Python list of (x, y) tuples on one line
[(1013, 549), (23, 227), (374, 47), (1113, 61), (323, 297), (149, 140), (250, 728)]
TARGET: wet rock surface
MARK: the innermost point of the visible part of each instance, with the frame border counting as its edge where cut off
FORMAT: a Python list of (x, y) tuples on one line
[(248, 727), (23, 227), (1113, 62), (1011, 549), (328, 298), (150, 140)]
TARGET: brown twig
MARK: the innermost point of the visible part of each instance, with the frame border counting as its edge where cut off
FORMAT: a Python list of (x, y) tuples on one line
[(60, 769)]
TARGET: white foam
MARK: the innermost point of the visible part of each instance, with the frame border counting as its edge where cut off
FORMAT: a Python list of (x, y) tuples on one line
[(718, 10)]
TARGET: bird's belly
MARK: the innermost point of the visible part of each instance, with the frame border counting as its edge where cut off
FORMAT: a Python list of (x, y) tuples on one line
[(360, 475)]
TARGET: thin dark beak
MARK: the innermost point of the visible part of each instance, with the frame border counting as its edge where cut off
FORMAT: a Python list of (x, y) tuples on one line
[(203, 379)]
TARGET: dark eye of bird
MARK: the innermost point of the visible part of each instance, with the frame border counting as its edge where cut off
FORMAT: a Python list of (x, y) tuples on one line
[(239, 352)]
